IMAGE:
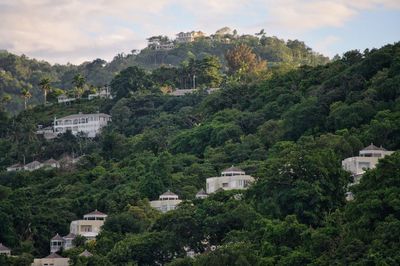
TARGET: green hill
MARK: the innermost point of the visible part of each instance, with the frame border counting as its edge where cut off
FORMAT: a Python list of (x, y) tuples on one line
[(19, 72), (288, 128)]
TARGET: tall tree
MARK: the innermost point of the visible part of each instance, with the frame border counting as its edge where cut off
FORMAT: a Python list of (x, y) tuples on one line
[(45, 86), (26, 94), (79, 82), (243, 61)]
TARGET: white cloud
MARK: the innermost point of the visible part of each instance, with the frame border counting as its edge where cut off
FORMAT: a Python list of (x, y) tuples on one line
[(76, 30)]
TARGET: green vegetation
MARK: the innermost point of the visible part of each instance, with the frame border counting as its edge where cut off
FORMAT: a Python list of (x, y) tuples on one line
[(41, 78), (288, 128)]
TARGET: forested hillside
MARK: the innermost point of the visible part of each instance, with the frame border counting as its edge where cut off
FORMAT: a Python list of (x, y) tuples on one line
[(289, 128), (20, 72)]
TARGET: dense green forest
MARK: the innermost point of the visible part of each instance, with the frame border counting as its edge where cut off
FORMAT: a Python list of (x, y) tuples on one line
[(290, 128), (20, 72)]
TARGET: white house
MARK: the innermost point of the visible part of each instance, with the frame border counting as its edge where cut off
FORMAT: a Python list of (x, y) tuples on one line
[(52, 260), (58, 242), (231, 178), (4, 250), (32, 166), (367, 159), (166, 202), (89, 124), (104, 93), (187, 37), (15, 167), (90, 226), (65, 99)]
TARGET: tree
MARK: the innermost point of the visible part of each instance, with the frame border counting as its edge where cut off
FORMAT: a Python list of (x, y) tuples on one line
[(130, 80), (26, 94), (79, 82), (242, 61), (45, 86)]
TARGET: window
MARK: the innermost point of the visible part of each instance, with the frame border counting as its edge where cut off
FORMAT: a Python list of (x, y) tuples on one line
[(364, 165), (225, 184)]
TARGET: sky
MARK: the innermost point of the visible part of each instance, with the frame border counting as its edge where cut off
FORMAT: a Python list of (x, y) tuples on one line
[(61, 31)]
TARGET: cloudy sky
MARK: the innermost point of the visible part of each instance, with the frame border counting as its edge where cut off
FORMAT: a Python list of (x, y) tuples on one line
[(62, 31)]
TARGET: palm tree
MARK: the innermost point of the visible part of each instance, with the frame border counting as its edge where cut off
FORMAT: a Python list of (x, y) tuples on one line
[(45, 85), (26, 94), (79, 82)]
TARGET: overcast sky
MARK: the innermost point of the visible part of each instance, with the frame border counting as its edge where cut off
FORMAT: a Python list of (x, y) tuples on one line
[(62, 31)]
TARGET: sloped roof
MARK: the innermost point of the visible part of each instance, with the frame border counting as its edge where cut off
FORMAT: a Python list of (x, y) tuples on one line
[(168, 193), (85, 253), (17, 165), (372, 147), (76, 116), (50, 161), (57, 237), (233, 169), (54, 256), (201, 192), (70, 235), (96, 212), (4, 248), (32, 164)]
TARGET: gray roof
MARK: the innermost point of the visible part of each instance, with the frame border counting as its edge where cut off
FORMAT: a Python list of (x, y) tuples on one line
[(372, 147), (233, 169), (70, 236), (201, 192), (96, 212), (50, 161), (83, 116), (54, 256), (32, 164), (17, 165), (4, 248), (85, 253), (168, 193), (57, 237)]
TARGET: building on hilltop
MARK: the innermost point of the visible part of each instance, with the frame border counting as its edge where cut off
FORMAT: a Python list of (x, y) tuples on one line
[(90, 226), (52, 260), (166, 202), (88, 124), (4, 250), (231, 178), (187, 37)]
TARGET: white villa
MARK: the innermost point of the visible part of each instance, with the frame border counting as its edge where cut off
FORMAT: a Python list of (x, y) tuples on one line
[(90, 226), (166, 202), (58, 242), (104, 93), (231, 178), (65, 99), (186, 37), (89, 124), (52, 260), (367, 159), (4, 250)]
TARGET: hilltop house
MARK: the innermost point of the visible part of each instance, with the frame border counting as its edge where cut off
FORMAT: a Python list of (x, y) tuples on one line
[(4, 250), (90, 226), (166, 202), (187, 37), (367, 159), (231, 178), (88, 124), (52, 260)]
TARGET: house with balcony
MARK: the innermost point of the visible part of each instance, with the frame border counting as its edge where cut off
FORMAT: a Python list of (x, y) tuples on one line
[(187, 37), (90, 226), (63, 98), (231, 178), (88, 124), (166, 202), (52, 260), (367, 159), (58, 242)]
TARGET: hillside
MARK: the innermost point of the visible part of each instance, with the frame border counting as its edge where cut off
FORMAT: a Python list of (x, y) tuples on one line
[(19, 72), (288, 128)]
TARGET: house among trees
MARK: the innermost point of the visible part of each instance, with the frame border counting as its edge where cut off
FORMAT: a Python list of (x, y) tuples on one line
[(4, 250), (201, 194), (90, 226), (15, 167), (103, 93), (88, 124), (368, 159), (166, 202), (52, 260), (63, 98), (187, 37), (57, 242), (231, 178), (35, 165)]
